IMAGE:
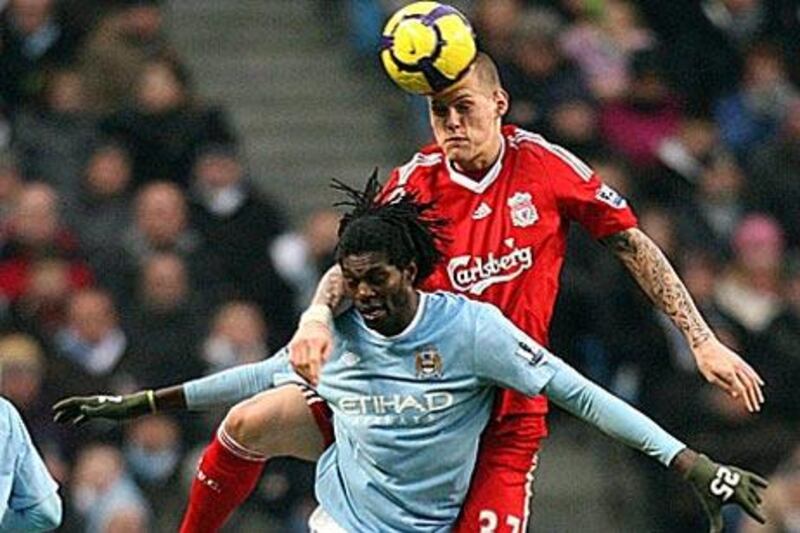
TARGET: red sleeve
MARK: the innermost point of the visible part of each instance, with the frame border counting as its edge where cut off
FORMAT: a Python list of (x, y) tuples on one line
[(582, 197)]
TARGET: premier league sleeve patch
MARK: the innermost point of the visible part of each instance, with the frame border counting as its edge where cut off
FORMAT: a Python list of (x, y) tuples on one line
[(610, 197), (534, 356)]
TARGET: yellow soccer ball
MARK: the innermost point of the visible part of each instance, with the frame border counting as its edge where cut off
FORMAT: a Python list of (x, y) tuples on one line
[(427, 46)]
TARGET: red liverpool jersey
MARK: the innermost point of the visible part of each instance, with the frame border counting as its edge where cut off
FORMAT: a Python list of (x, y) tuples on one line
[(509, 228)]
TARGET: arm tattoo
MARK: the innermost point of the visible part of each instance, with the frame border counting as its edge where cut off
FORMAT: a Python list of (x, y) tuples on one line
[(652, 271)]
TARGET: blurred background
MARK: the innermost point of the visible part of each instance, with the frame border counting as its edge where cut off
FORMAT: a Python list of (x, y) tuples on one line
[(164, 213)]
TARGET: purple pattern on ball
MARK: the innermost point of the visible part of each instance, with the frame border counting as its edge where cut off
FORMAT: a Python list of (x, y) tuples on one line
[(439, 12), (386, 42)]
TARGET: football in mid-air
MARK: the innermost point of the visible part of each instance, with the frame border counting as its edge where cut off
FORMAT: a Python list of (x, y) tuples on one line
[(427, 46)]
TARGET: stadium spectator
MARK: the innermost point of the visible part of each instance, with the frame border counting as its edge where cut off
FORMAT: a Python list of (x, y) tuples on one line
[(682, 157), (166, 324), (302, 257), (539, 77), (104, 495), (238, 336), (494, 20), (749, 291), (709, 217), (240, 225), (153, 449), (40, 264), (101, 213), (776, 348), (775, 171), (751, 114), (603, 45), (92, 340), (117, 50), (51, 137), (33, 39), (648, 113), (165, 126), (160, 224)]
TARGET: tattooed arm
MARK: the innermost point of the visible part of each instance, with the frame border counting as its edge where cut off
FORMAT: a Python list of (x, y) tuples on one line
[(654, 274)]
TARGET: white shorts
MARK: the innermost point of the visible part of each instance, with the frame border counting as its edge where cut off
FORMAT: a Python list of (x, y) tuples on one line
[(321, 522)]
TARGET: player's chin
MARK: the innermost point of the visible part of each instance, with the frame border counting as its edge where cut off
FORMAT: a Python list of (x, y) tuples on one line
[(457, 151)]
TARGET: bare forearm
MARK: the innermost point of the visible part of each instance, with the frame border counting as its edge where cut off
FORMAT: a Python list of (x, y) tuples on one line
[(330, 291), (654, 274)]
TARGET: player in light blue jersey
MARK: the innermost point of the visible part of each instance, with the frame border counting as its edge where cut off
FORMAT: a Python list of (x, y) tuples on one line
[(410, 386), (29, 499)]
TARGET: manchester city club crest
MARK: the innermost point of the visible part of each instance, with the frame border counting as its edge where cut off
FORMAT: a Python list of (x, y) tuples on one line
[(523, 212), (428, 363)]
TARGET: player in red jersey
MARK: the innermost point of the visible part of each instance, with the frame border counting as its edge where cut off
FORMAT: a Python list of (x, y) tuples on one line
[(510, 196)]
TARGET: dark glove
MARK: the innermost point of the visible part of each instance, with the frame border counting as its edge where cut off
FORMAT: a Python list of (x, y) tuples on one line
[(717, 485), (79, 409)]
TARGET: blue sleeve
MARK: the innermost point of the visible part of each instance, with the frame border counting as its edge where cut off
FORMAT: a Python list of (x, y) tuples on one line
[(504, 355), (31, 483), (571, 391), (43, 516), (235, 384)]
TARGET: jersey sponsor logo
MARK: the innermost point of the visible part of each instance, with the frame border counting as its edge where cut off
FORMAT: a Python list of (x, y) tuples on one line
[(523, 212), (396, 404), (482, 211), (428, 363), (609, 196), (476, 274)]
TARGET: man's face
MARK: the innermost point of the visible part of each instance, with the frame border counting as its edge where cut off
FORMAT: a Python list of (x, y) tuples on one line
[(381, 292), (466, 120)]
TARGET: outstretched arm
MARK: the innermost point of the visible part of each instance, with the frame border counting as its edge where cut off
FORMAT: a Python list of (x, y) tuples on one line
[(222, 388), (715, 484), (312, 343), (654, 274)]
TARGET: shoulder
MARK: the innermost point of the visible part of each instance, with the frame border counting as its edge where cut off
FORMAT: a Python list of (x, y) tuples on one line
[(537, 150), (442, 303), (429, 157)]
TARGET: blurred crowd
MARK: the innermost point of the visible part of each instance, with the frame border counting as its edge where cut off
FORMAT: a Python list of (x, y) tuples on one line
[(136, 250)]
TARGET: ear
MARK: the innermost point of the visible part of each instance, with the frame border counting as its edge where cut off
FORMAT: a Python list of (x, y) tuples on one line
[(502, 102), (411, 272)]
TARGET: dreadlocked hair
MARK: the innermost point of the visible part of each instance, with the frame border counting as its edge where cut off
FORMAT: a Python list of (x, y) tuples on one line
[(404, 230)]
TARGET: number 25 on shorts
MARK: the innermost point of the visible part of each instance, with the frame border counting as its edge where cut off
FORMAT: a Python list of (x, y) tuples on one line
[(488, 522)]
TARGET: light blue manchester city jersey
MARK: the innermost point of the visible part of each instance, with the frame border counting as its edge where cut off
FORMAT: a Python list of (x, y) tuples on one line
[(24, 479), (409, 410)]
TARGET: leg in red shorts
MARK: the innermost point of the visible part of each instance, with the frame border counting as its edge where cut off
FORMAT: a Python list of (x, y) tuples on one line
[(501, 490), (271, 424)]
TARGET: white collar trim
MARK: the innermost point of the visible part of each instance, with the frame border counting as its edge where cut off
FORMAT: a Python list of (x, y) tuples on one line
[(478, 187)]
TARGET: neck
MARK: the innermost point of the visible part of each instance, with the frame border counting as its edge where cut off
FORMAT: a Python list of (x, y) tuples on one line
[(405, 314)]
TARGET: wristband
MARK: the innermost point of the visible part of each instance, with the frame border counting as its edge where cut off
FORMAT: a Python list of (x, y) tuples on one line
[(317, 313), (151, 400)]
